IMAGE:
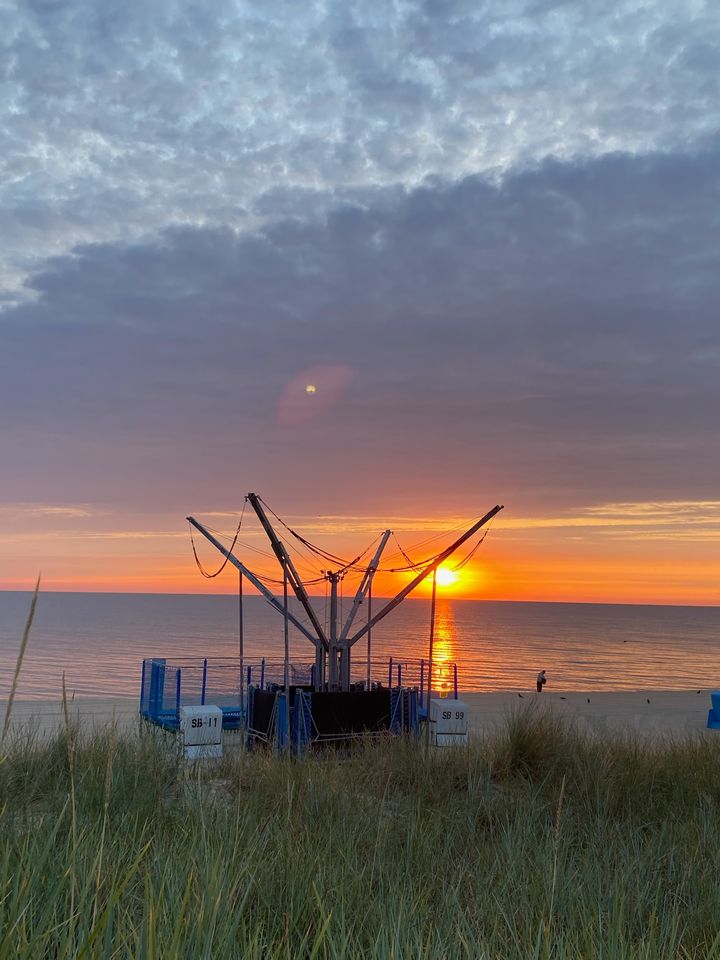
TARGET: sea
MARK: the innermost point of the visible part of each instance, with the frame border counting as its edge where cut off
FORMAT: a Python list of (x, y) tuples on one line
[(98, 641)]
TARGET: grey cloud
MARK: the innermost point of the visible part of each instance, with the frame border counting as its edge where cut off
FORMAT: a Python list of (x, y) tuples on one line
[(121, 119), (554, 335)]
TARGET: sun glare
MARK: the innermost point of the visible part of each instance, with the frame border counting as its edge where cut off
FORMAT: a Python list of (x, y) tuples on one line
[(445, 577)]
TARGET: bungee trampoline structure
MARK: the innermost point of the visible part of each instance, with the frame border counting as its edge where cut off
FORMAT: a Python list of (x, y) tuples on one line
[(397, 703), (295, 705)]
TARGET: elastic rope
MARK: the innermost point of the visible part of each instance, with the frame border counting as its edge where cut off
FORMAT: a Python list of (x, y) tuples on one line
[(210, 576)]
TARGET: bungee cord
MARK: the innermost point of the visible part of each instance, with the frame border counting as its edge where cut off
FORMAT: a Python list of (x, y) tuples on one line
[(210, 576), (474, 550), (347, 567), (422, 543), (333, 641), (319, 551)]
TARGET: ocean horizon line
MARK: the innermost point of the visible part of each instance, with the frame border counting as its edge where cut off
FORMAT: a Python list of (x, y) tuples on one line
[(414, 599)]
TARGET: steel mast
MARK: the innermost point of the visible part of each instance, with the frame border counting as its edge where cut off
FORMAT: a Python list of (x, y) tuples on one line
[(258, 584), (433, 565), (336, 647), (365, 584), (298, 587)]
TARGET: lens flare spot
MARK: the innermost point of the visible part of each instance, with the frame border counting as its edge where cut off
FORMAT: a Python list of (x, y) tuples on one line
[(313, 392)]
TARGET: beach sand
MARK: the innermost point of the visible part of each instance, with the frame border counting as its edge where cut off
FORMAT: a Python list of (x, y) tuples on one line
[(45, 717), (668, 712), (646, 712)]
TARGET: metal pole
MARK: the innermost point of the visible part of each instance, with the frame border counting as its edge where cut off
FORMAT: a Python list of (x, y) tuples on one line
[(369, 645), (177, 696), (241, 639), (319, 680), (288, 567), (287, 632), (258, 584), (365, 585), (142, 689), (424, 573), (333, 678), (430, 661)]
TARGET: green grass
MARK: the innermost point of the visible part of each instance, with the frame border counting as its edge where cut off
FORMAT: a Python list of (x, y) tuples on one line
[(539, 842)]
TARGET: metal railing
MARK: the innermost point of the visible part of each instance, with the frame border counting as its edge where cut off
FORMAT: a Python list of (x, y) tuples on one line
[(167, 685)]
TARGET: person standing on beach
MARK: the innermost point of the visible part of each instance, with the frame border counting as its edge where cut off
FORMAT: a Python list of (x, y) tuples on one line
[(541, 681)]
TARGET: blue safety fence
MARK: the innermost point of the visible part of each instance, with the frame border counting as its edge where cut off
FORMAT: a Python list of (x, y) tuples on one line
[(713, 720), (302, 731), (160, 693), (404, 710), (167, 685)]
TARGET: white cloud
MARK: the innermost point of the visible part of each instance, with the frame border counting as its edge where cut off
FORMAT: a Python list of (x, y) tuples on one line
[(44, 510), (124, 118), (673, 520)]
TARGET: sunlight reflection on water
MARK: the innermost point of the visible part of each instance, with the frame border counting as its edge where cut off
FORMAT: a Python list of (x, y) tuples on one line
[(444, 654)]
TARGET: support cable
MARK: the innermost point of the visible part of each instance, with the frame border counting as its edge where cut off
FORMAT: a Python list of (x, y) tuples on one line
[(311, 546), (319, 551), (474, 550), (421, 543), (415, 565)]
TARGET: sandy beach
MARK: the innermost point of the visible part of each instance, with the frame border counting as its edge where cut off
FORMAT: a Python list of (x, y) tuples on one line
[(44, 717), (646, 712), (651, 713)]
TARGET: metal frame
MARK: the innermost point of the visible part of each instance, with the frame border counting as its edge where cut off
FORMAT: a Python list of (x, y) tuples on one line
[(333, 652)]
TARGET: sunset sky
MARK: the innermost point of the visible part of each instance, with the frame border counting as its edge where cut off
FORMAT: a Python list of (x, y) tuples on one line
[(488, 235)]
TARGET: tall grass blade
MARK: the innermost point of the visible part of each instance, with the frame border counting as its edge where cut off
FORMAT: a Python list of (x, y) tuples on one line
[(19, 662)]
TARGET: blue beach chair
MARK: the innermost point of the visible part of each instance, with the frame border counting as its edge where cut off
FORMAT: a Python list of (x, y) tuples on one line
[(713, 720)]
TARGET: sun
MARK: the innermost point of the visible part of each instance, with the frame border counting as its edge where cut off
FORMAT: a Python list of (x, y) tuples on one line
[(444, 577)]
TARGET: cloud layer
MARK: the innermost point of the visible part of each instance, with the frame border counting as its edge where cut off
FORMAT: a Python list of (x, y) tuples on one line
[(488, 235), (554, 335), (123, 118)]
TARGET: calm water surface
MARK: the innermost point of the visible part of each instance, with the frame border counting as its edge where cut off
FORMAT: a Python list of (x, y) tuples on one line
[(99, 641)]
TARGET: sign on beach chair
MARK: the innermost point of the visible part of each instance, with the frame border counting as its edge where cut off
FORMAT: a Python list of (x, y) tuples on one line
[(201, 732), (448, 723)]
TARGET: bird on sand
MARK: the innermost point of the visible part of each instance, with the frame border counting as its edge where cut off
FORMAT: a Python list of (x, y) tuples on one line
[(521, 696), (648, 700), (563, 698), (588, 699)]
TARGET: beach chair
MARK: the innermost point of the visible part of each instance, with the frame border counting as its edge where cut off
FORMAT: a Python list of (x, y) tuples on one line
[(713, 720)]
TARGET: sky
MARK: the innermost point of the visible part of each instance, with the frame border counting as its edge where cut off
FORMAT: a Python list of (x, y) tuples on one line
[(487, 234)]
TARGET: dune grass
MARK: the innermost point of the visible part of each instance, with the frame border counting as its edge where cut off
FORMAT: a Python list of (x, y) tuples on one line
[(539, 842)]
